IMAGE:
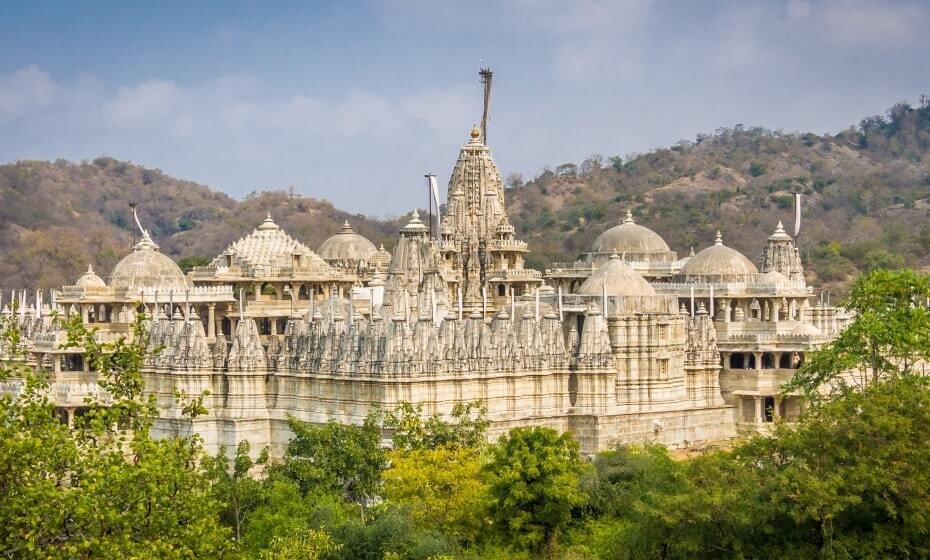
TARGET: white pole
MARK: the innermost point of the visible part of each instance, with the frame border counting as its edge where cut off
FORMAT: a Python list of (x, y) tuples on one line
[(711, 302), (513, 304), (692, 300), (560, 302), (537, 305)]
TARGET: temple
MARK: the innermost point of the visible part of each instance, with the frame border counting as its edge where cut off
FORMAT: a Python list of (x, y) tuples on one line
[(630, 343)]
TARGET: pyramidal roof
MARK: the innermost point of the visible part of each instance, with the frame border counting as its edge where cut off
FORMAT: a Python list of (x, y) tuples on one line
[(268, 249)]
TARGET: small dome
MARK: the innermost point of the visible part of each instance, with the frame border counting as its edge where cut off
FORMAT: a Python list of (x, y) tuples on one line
[(629, 237), (779, 234), (775, 278), (718, 260), (415, 226), (619, 279), (347, 246), (90, 280), (146, 267)]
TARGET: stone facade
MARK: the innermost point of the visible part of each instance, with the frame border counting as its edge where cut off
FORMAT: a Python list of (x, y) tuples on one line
[(609, 351)]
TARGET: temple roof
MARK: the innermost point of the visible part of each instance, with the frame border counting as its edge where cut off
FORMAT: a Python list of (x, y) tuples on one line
[(147, 267), (347, 246), (629, 237), (718, 260), (90, 279), (267, 251), (618, 279)]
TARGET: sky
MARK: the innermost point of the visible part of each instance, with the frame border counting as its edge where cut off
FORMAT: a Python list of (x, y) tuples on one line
[(354, 101)]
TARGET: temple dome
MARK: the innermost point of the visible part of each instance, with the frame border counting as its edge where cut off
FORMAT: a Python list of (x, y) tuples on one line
[(90, 279), (775, 278), (629, 237), (619, 279), (147, 267), (347, 246), (718, 260)]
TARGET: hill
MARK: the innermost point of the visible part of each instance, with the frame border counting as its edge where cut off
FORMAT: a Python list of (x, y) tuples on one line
[(867, 203), (56, 217)]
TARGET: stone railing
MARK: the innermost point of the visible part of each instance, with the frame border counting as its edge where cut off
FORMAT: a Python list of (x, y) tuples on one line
[(734, 289)]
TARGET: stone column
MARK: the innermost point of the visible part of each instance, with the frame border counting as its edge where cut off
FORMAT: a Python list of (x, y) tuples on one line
[(758, 357), (758, 401), (258, 291), (70, 413), (85, 314), (211, 320), (776, 413), (774, 309)]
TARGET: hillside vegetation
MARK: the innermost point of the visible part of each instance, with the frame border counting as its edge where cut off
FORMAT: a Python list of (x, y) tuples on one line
[(867, 203), (867, 195), (56, 217)]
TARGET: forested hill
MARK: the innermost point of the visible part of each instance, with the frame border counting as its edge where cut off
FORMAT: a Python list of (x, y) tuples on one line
[(867, 203), (867, 190), (56, 217)]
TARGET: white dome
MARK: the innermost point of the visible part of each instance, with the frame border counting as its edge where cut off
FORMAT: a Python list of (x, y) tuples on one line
[(619, 279), (90, 279), (146, 267), (629, 237), (718, 260), (347, 246)]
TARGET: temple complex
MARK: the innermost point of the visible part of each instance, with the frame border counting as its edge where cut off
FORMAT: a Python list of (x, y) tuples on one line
[(629, 343)]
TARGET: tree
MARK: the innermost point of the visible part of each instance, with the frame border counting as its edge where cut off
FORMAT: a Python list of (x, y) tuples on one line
[(467, 427), (534, 486), (105, 489), (888, 335), (441, 488), (345, 460), (234, 485), (305, 545)]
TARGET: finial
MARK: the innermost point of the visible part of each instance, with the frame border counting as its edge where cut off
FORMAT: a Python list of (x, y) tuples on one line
[(268, 223), (90, 269), (691, 254), (779, 227), (475, 133), (718, 239), (629, 217)]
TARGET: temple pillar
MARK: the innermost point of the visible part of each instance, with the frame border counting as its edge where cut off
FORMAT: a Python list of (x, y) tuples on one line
[(775, 306), (211, 320), (758, 357), (776, 409), (758, 402)]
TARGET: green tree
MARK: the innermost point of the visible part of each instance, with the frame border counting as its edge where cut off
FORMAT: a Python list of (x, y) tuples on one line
[(235, 486), (888, 335), (466, 427), (345, 460), (441, 488), (105, 489), (534, 483), (305, 545)]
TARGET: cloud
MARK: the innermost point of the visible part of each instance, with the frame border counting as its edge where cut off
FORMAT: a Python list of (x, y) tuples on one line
[(873, 23), (147, 103), (24, 91)]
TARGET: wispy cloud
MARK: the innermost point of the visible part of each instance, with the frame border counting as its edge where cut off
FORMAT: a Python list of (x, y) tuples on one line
[(25, 90)]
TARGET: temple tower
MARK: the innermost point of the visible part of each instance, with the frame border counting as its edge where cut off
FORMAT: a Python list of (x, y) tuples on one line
[(477, 242)]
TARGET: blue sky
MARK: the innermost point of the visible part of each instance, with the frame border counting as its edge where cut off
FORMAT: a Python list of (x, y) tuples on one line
[(355, 101)]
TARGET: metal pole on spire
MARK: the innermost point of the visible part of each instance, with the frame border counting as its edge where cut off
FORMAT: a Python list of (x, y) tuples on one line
[(486, 76)]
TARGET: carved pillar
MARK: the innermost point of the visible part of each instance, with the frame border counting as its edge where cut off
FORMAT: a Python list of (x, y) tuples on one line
[(776, 412), (211, 320), (758, 357), (758, 401)]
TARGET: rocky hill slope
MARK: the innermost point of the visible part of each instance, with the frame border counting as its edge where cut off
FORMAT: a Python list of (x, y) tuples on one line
[(867, 203)]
